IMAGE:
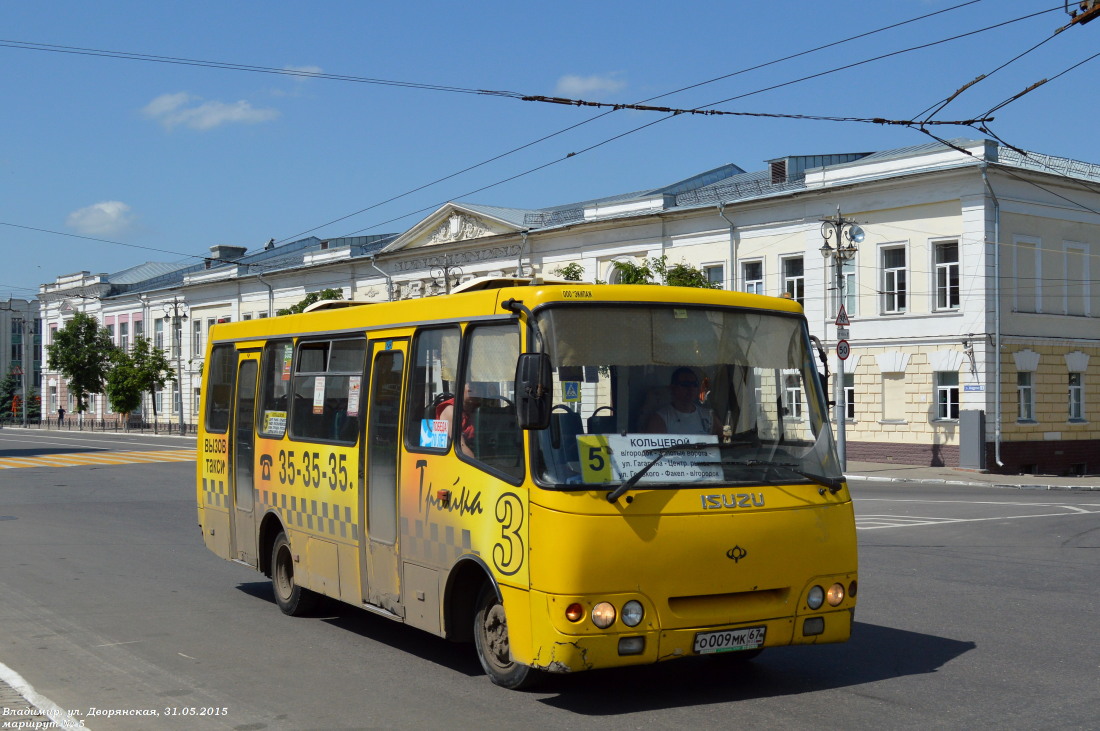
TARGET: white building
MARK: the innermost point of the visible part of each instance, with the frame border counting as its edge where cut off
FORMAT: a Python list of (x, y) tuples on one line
[(970, 250)]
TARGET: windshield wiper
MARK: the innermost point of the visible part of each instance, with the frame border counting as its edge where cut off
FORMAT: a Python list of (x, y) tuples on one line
[(618, 492), (834, 485)]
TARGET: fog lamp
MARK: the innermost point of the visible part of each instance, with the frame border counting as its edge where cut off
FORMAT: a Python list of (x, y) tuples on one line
[(631, 645), (603, 615), (813, 626)]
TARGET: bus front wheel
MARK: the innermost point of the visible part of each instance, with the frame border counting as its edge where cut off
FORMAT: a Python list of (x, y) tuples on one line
[(493, 647), (291, 598)]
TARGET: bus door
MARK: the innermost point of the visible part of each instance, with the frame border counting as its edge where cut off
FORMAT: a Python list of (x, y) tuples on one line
[(242, 449), (381, 578)]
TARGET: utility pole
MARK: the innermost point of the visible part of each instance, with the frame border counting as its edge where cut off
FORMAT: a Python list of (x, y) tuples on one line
[(175, 311), (842, 229)]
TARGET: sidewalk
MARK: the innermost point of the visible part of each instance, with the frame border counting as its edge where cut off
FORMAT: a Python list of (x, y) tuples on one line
[(889, 472)]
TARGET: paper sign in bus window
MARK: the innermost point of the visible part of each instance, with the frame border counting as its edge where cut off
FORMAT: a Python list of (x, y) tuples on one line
[(319, 395), (433, 433)]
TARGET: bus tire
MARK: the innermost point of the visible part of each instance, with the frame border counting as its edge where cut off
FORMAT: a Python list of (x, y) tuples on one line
[(491, 640), (291, 598)]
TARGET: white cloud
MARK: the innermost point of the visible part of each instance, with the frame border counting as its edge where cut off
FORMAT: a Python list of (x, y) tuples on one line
[(173, 110), (108, 218), (597, 85)]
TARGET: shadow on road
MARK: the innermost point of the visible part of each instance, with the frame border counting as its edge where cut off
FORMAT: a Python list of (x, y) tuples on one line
[(45, 452), (453, 656), (873, 654)]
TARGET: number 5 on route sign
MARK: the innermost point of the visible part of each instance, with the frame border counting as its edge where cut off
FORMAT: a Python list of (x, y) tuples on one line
[(843, 350)]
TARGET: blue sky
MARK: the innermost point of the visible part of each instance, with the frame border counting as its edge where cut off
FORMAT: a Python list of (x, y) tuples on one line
[(165, 160)]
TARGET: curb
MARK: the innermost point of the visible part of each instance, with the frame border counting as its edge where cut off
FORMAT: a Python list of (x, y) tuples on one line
[(965, 483)]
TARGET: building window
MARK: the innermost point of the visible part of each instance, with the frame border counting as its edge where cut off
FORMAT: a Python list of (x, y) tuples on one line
[(794, 279), (893, 279), (850, 396), (752, 276), (196, 337), (793, 396), (947, 276), (158, 333), (716, 275), (139, 329), (1076, 397), (1025, 396), (848, 272), (893, 397), (947, 395), (124, 335), (111, 332)]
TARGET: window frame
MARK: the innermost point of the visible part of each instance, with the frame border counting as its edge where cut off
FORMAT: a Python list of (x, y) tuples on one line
[(755, 285), (798, 280), (947, 396), (293, 419), (413, 388), (943, 271), (1076, 396), (1025, 397), (895, 295)]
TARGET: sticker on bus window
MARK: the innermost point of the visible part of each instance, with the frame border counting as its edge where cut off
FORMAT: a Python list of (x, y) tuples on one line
[(433, 433), (288, 356), (319, 395), (354, 384), (274, 423), (595, 458)]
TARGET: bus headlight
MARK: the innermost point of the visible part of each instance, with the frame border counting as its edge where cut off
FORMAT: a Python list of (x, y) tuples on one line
[(816, 597), (633, 612), (603, 615), (835, 595)]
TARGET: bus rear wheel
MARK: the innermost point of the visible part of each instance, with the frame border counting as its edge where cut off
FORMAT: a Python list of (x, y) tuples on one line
[(493, 647), (291, 598)]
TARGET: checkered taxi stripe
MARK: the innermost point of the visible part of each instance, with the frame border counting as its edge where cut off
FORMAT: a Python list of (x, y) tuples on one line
[(85, 459)]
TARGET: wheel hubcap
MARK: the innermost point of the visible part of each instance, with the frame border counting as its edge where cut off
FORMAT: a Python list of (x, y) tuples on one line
[(495, 633)]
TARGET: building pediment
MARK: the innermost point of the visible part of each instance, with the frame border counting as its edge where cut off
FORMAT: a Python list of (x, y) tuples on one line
[(450, 224)]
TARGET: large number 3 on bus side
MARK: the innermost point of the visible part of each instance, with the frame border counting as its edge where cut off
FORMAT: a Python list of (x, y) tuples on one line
[(508, 552)]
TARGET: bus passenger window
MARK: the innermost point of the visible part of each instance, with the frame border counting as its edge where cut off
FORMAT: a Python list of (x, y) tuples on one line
[(431, 389), (494, 434), (327, 390), (275, 388), (219, 383)]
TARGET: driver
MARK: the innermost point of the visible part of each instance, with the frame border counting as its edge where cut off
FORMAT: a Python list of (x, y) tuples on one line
[(684, 414)]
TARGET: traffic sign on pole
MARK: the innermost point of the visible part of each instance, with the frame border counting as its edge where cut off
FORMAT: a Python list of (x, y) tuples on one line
[(842, 317), (843, 350)]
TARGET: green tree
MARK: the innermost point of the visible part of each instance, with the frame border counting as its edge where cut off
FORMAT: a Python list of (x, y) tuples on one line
[(677, 275), (9, 387), (81, 352), (145, 369), (573, 272), (309, 299)]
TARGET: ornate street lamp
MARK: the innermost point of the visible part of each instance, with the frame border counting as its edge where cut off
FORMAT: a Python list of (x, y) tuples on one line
[(175, 311), (841, 230)]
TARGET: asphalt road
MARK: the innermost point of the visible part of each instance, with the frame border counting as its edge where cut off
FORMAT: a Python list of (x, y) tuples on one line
[(978, 609)]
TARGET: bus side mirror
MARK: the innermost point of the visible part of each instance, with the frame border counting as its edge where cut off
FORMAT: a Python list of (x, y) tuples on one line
[(534, 385)]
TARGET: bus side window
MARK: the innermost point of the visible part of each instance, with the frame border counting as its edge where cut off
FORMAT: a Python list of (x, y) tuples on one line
[(219, 383), (431, 388), (275, 388), (327, 390), (491, 355)]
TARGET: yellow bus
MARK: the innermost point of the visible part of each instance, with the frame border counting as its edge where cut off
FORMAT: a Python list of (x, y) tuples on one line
[(569, 476)]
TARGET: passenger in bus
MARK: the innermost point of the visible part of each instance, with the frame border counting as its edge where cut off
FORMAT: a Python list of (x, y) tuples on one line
[(446, 409), (684, 414)]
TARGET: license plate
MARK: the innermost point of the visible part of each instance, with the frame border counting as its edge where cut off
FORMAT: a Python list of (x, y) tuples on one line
[(729, 640)]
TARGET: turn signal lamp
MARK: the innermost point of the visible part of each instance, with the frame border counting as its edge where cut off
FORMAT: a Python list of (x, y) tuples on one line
[(574, 612)]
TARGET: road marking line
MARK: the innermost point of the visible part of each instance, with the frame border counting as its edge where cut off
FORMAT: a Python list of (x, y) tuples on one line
[(80, 459)]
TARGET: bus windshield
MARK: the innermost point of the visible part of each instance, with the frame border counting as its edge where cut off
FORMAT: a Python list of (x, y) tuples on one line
[(690, 395)]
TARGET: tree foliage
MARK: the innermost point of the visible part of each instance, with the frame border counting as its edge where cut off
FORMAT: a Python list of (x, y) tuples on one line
[(143, 369), (11, 399), (81, 352), (572, 272), (309, 299), (657, 267)]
